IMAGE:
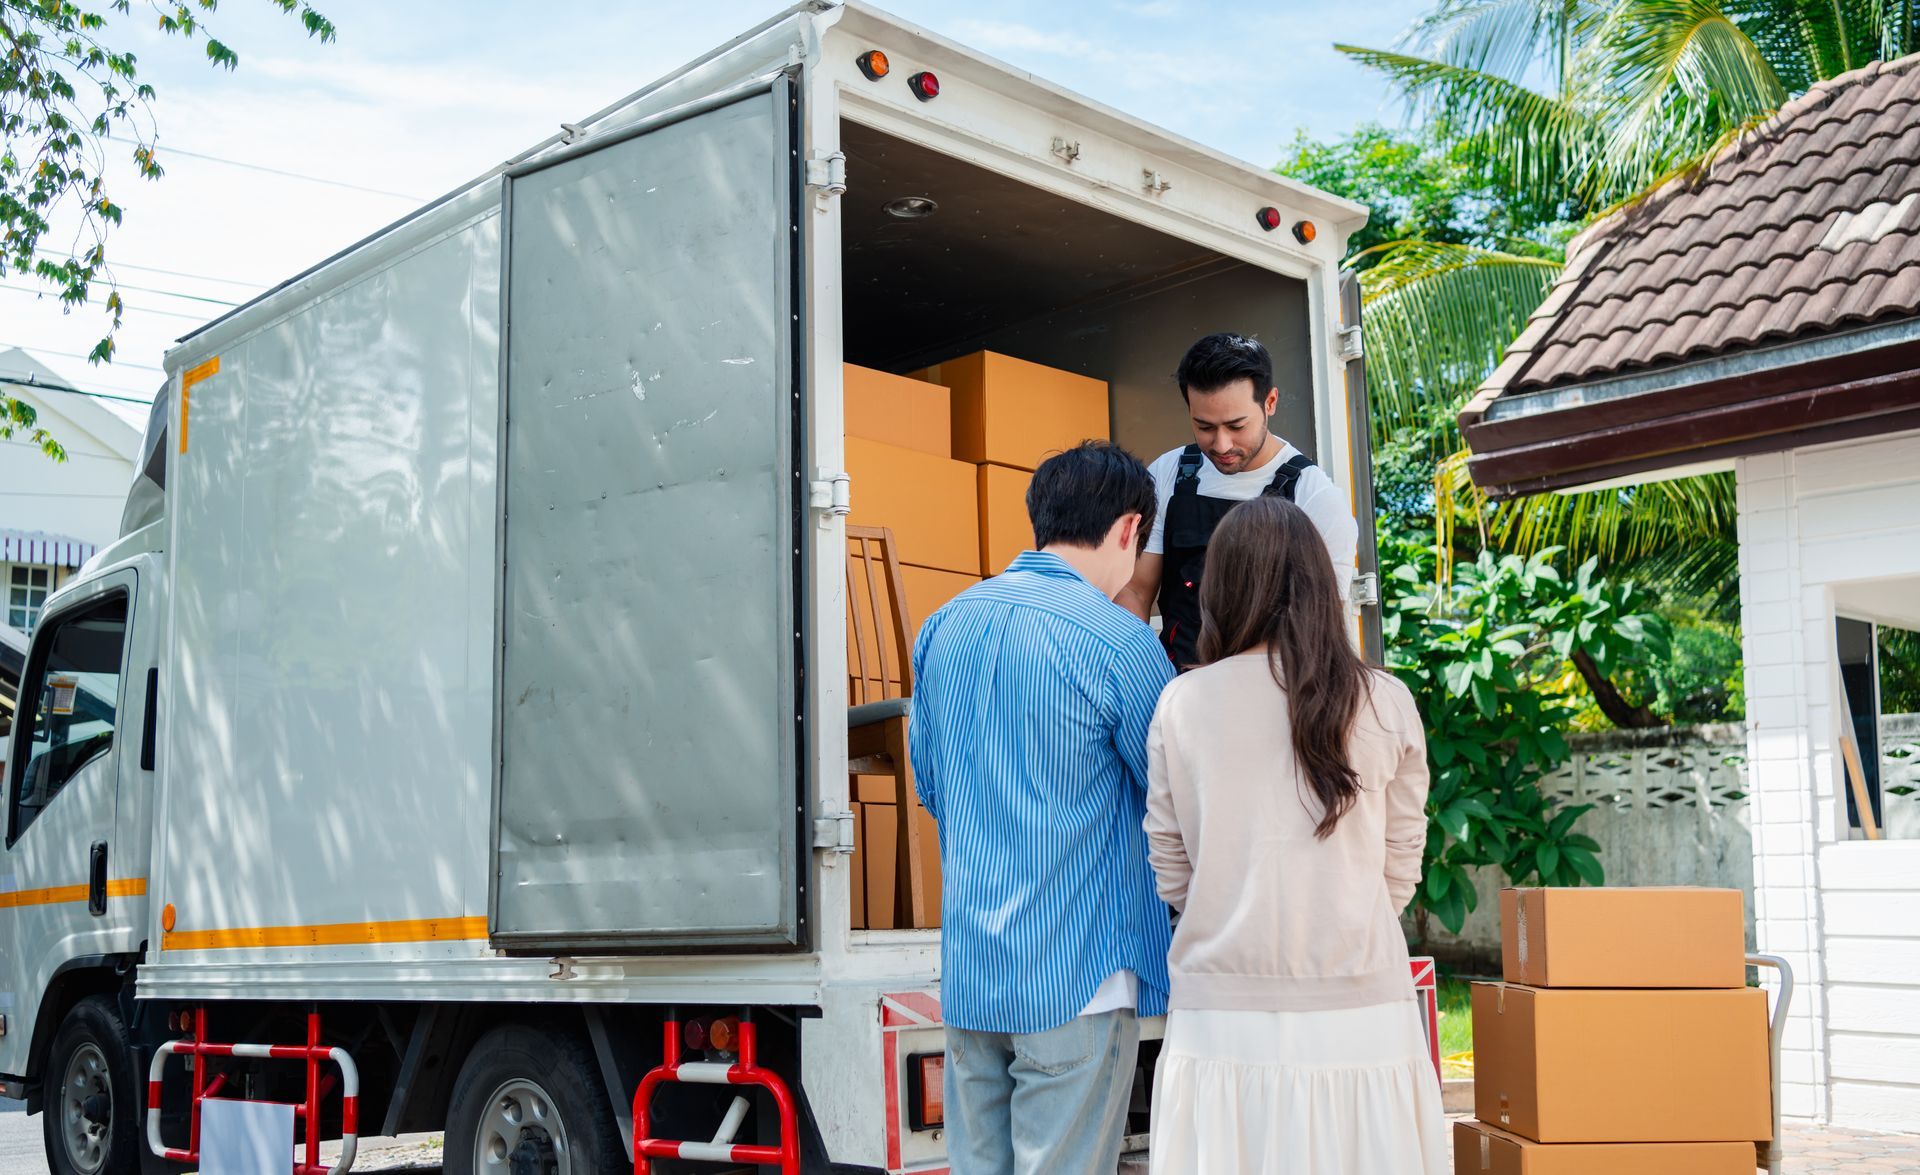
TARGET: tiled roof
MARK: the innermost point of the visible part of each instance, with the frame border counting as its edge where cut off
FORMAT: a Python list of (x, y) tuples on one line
[(1806, 225)]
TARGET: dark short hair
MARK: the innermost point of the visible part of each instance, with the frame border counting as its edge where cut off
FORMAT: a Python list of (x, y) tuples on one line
[(1076, 496), (1220, 359)]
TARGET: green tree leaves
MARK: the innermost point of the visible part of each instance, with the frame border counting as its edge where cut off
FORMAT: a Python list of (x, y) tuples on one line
[(66, 93), (1482, 649)]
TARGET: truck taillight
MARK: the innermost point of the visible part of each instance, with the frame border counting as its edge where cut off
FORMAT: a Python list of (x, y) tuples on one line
[(723, 1035), (927, 1091)]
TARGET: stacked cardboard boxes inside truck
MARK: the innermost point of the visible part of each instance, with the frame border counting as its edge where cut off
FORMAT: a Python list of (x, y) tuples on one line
[(1624, 1038), (943, 458)]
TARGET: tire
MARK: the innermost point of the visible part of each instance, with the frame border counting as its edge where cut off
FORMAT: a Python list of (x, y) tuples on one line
[(534, 1095), (91, 1120)]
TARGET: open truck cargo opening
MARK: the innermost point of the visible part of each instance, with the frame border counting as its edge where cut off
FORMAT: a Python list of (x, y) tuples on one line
[(482, 612)]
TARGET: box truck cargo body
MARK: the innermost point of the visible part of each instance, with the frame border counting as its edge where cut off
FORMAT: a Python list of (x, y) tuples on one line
[(467, 681)]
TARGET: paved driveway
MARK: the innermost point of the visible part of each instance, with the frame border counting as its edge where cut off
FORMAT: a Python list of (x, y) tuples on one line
[(1811, 1151)]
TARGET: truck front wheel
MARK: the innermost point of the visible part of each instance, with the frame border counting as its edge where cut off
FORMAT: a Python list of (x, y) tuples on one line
[(90, 1120), (531, 1102)]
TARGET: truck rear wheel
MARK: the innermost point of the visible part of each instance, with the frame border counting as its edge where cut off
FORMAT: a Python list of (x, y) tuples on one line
[(90, 1120), (531, 1102)]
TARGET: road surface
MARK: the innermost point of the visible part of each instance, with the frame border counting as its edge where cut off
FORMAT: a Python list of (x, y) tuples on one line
[(21, 1152)]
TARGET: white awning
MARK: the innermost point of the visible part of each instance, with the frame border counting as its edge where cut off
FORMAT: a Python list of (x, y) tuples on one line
[(37, 546)]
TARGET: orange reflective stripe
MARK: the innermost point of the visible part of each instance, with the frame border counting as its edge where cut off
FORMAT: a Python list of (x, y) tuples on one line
[(193, 376), (125, 887), (328, 935)]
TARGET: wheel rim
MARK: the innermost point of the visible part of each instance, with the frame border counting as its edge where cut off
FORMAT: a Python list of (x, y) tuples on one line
[(521, 1133), (86, 1109)]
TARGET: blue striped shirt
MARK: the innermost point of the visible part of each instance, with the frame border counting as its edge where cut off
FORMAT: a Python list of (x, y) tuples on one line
[(1032, 694)]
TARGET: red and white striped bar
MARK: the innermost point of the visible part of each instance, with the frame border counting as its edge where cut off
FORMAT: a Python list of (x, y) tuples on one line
[(312, 1053), (745, 1071)]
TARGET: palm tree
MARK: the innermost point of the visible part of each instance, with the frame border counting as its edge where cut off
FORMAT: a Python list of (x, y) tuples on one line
[(1580, 106)]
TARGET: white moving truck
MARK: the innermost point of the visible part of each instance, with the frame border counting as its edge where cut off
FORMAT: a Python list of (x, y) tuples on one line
[(464, 703)]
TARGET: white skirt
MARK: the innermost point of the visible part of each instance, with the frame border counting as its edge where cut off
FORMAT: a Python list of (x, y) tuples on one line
[(1344, 1092)]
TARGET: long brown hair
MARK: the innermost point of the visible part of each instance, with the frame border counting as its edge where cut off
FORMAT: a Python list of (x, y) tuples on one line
[(1269, 584)]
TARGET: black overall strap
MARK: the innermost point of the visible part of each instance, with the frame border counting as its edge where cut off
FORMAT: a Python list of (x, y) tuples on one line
[(1187, 480), (1287, 478)]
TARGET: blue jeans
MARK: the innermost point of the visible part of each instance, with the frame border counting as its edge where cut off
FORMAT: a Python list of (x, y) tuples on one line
[(1042, 1103)]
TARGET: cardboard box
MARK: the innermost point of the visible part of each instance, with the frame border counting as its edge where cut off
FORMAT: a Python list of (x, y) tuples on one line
[(1008, 411), (1005, 528), (928, 590), (874, 789), (931, 503), (1480, 1149), (1653, 937), (1583, 1065), (880, 830), (898, 410), (857, 880)]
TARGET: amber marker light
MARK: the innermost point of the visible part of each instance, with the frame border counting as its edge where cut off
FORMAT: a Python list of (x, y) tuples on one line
[(1304, 232), (874, 64)]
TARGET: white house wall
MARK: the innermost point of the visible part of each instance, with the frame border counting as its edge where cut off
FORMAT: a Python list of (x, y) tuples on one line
[(1816, 526), (80, 497)]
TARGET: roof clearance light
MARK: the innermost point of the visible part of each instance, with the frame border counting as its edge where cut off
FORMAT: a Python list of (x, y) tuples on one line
[(874, 64), (924, 85), (1304, 232), (1269, 218)]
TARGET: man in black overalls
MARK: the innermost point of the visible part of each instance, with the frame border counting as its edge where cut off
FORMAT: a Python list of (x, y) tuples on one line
[(1227, 382)]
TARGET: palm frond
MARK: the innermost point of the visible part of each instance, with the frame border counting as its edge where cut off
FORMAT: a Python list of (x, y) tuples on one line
[(1530, 140), (1438, 319), (1679, 74), (1620, 524)]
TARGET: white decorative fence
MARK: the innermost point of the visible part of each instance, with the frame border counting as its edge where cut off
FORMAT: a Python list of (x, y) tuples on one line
[(1670, 808)]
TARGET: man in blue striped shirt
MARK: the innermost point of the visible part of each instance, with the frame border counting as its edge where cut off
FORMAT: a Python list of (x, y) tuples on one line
[(1032, 696)]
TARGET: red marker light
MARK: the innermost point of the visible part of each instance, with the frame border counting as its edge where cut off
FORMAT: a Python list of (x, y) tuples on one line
[(1304, 232), (874, 64), (1269, 218), (694, 1035), (924, 85)]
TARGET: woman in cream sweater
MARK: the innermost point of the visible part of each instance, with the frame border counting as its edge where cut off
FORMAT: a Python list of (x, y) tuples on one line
[(1286, 818)]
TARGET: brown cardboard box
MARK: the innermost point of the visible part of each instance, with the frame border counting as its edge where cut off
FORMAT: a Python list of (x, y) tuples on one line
[(931, 503), (1011, 412), (857, 881), (1582, 1065), (928, 590), (1652, 937), (898, 410), (874, 789), (1005, 529), (1480, 1149), (881, 833)]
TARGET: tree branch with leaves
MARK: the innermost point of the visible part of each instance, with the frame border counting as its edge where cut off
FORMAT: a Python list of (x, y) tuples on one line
[(69, 90)]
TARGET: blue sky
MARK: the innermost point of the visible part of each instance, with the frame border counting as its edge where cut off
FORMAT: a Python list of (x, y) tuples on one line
[(421, 95)]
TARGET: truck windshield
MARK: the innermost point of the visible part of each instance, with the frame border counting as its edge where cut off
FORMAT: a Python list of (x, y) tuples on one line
[(76, 682)]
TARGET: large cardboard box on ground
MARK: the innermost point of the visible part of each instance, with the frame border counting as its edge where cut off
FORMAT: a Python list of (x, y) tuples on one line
[(1480, 1149), (1008, 411), (1583, 1065), (1623, 937), (931, 503), (898, 410), (1005, 528)]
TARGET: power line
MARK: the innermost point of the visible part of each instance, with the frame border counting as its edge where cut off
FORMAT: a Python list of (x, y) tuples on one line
[(199, 277), (77, 355), (98, 302), (293, 175), (44, 387)]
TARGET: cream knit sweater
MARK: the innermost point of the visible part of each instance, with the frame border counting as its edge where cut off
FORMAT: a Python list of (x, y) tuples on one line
[(1271, 918)]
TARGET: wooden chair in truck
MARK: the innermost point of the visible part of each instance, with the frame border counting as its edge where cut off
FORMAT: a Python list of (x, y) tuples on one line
[(879, 684)]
